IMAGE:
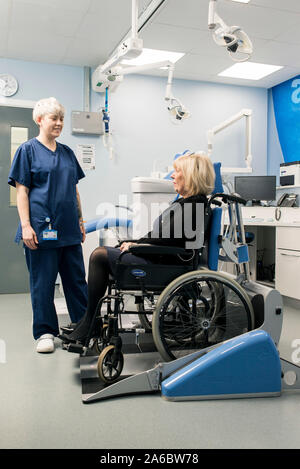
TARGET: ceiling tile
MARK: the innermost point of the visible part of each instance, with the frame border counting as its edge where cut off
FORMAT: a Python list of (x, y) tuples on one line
[(277, 53), (172, 38), (85, 52), (290, 37), (112, 10), (37, 20), (5, 10), (288, 5), (106, 37), (77, 5), (190, 14), (196, 63), (23, 47)]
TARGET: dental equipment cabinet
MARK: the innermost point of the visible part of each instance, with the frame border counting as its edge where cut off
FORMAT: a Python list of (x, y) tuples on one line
[(276, 233)]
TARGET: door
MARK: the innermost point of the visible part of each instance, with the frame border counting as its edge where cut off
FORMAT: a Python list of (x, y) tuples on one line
[(16, 126)]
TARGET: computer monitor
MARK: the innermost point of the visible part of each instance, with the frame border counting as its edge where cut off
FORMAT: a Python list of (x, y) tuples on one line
[(256, 188)]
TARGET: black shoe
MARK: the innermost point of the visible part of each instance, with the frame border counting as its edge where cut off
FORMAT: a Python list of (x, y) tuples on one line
[(66, 339), (82, 330), (69, 328), (72, 326), (79, 334)]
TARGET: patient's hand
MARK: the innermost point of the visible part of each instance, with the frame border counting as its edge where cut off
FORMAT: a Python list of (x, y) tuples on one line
[(126, 246)]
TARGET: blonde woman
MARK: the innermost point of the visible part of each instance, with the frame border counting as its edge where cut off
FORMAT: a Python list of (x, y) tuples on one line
[(46, 174), (193, 180)]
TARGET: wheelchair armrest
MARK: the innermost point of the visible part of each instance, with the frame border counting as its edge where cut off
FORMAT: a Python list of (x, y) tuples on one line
[(151, 249), (228, 198)]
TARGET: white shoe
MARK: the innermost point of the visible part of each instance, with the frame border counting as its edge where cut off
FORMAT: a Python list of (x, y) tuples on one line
[(45, 344)]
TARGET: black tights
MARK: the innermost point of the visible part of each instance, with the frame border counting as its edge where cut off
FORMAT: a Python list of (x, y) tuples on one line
[(97, 283)]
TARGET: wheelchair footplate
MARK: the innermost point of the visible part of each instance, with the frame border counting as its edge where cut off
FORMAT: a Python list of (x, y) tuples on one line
[(140, 355)]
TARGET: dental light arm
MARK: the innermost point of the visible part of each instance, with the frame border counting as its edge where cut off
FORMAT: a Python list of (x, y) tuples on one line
[(143, 68), (131, 47), (236, 41), (109, 75), (213, 18), (247, 113), (174, 106)]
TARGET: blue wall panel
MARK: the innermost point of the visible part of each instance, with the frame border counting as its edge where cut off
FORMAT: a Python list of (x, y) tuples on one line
[(286, 99)]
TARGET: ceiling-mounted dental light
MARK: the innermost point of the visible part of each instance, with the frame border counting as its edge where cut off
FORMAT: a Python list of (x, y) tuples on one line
[(177, 111), (236, 41)]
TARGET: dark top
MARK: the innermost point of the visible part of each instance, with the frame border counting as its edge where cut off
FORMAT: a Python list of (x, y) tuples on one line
[(183, 224)]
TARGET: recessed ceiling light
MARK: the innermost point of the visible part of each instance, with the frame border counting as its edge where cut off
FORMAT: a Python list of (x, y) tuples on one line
[(241, 1), (249, 70), (149, 56)]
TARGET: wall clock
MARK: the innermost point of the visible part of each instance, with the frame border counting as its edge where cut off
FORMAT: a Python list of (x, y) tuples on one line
[(8, 85)]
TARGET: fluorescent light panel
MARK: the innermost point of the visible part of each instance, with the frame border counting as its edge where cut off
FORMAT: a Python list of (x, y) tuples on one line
[(149, 56), (249, 70), (241, 1)]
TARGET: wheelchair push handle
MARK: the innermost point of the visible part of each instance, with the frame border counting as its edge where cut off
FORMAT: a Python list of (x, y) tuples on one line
[(227, 198)]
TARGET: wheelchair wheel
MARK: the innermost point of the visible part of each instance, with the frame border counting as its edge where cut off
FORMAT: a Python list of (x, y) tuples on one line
[(110, 364), (197, 310)]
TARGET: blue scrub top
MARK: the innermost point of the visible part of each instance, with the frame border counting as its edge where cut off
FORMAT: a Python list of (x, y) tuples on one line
[(51, 177)]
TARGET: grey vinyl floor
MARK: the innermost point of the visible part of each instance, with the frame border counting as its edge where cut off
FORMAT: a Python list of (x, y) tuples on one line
[(41, 407)]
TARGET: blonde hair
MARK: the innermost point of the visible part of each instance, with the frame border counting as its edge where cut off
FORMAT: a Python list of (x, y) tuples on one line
[(47, 106), (198, 172)]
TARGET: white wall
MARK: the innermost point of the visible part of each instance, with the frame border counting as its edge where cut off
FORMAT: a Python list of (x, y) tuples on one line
[(141, 125)]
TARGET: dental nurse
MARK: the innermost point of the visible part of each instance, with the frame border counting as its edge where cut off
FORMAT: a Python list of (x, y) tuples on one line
[(45, 174)]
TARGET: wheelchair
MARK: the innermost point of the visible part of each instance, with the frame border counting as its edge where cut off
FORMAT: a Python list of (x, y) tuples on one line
[(186, 307)]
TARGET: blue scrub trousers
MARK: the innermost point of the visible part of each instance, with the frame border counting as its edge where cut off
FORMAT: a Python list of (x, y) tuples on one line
[(43, 266)]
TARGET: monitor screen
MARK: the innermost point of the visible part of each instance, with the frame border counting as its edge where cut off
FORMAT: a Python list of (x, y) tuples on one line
[(256, 188)]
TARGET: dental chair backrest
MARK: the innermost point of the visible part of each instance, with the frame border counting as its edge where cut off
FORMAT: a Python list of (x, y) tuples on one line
[(209, 254), (213, 243), (215, 223)]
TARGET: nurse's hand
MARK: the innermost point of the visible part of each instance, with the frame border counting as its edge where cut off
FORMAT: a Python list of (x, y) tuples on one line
[(126, 246), (29, 237), (82, 229)]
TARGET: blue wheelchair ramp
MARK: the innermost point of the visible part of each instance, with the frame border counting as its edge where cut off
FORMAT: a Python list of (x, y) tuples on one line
[(246, 366)]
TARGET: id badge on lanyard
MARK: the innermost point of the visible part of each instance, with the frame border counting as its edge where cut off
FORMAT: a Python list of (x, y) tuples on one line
[(49, 234)]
